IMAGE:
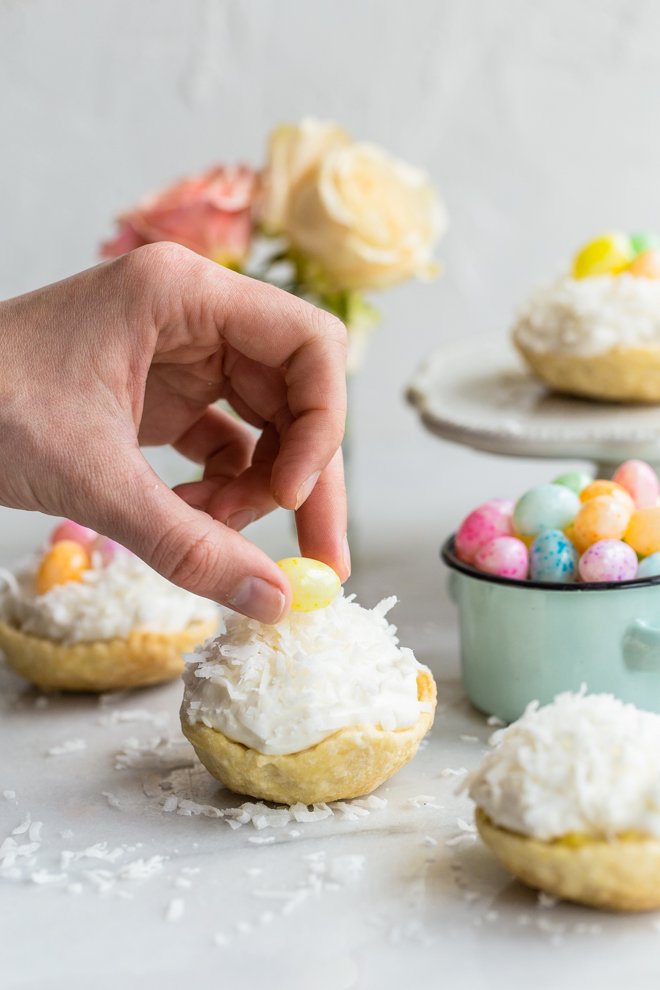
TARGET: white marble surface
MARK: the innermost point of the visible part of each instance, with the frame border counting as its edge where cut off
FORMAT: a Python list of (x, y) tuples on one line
[(402, 896)]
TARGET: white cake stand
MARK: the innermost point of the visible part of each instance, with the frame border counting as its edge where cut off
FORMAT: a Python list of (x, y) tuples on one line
[(475, 392)]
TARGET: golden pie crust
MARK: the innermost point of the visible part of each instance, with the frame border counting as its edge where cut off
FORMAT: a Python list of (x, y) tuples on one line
[(351, 762), (621, 374), (621, 874), (102, 665)]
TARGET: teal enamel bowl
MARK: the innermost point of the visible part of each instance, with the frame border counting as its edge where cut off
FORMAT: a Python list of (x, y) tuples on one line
[(526, 641)]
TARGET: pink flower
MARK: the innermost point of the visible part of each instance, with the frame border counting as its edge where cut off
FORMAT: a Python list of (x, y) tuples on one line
[(210, 214)]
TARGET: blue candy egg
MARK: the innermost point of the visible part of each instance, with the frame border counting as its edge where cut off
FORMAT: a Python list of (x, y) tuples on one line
[(553, 558), (650, 566), (545, 507)]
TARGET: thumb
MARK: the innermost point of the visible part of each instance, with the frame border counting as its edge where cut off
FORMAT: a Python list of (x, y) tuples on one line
[(188, 547)]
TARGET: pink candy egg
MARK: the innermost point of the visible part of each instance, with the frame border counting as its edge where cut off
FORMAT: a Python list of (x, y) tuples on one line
[(492, 519), (641, 481), (608, 560), (70, 530), (503, 556), (107, 549)]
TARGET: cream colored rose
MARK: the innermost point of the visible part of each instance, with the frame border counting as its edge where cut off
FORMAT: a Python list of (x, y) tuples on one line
[(367, 220), (294, 150)]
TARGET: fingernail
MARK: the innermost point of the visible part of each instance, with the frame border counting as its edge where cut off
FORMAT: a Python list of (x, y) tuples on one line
[(306, 488), (241, 519), (258, 599), (346, 555)]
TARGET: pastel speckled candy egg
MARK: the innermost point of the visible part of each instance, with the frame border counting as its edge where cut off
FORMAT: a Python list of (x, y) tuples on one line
[(487, 521), (553, 558), (643, 533), (649, 567), (605, 255), (65, 561), (545, 507), (601, 487), (608, 560), (645, 265), (640, 481), (503, 556), (314, 584), (575, 480), (600, 518), (70, 530), (645, 241)]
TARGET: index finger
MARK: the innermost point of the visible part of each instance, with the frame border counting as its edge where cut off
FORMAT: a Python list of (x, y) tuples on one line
[(277, 329)]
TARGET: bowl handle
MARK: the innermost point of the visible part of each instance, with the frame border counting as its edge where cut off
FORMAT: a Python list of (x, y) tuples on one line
[(641, 647)]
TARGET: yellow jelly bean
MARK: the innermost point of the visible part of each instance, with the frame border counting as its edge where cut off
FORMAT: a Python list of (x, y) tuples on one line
[(606, 255), (313, 584), (646, 265), (643, 533), (611, 488), (65, 561), (600, 518)]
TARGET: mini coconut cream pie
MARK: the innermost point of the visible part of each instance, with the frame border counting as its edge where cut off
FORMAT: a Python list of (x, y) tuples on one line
[(323, 706), (87, 615), (569, 801), (595, 332)]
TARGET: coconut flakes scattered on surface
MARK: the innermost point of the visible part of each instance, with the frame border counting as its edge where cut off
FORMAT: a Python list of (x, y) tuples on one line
[(424, 801), (9, 795), (112, 799), (157, 753), (69, 746), (24, 825), (495, 721), (175, 909), (119, 717), (321, 875), (451, 772)]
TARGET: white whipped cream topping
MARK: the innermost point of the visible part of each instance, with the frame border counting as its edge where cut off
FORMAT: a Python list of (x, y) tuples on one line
[(586, 316), (585, 763), (110, 601), (281, 689)]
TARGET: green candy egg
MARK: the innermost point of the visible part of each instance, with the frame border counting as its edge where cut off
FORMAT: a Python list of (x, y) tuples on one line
[(644, 242), (545, 507), (575, 480)]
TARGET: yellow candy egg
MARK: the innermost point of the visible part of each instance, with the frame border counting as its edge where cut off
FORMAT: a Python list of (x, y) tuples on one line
[(601, 518), (643, 533), (645, 265), (611, 488), (65, 561), (606, 255), (313, 584)]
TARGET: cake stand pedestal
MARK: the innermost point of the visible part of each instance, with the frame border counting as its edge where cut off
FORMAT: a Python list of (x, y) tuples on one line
[(475, 392)]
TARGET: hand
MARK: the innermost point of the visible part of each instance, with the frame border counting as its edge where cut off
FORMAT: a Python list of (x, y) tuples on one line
[(139, 350)]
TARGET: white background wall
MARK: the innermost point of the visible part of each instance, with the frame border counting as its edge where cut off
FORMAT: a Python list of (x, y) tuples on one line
[(539, 121)]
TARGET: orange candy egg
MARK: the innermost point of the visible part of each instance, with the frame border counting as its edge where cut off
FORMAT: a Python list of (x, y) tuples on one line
[(603, 517), (611, 488), (643, 533), (645, 265), (65, 561)]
